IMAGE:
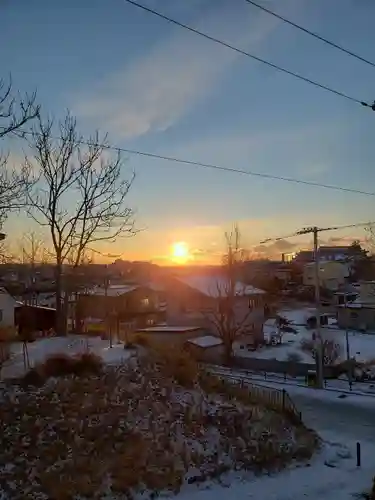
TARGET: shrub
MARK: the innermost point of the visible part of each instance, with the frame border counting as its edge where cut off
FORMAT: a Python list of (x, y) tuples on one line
[(87, 363), (60, 365), (35, 376), (175, 363), (294, 357)]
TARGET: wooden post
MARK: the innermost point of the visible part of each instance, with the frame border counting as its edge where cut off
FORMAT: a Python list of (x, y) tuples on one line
[(358, 454)]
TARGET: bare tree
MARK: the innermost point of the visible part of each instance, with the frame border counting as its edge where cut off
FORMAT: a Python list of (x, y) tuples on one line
[(229, 315), (32, 248), (80, 194), (15, 112)]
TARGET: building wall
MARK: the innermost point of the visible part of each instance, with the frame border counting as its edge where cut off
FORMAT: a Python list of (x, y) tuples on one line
[(7, 306), (331, 274), (170, 338), (214, 354)]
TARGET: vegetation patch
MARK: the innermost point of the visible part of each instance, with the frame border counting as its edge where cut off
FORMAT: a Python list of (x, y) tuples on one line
[(137, 430), (60, 365)]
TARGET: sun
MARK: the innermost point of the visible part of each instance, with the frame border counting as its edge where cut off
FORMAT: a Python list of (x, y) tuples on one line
[(180, 252)]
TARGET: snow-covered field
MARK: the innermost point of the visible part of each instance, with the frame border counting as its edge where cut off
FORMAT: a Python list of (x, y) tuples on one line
[(361, 345), (42, 348)]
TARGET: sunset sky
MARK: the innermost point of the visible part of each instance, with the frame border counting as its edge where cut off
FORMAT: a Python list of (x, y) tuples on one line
[(155, 87)]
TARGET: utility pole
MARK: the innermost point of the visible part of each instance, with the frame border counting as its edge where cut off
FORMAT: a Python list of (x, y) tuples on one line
[(347, 346), (319, 343)]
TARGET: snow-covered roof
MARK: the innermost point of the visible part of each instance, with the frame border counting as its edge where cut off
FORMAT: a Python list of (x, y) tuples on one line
[(206, 341), (113, 290), (217, 286), (168, 329)]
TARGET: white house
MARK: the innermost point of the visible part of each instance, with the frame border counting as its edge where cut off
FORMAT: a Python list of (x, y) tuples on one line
[(7, 308)]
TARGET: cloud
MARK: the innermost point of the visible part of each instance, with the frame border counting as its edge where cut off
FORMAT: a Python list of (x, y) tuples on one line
[(155, 91), (274, 250)]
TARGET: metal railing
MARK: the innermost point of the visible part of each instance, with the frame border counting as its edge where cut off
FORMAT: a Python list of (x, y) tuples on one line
[(275, 399)]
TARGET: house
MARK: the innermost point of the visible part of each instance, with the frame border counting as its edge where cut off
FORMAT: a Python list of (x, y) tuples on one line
[(360, 313), (329, 254), (121, 304), (8, 305), (332, 274), (264, 272), (193, 299)]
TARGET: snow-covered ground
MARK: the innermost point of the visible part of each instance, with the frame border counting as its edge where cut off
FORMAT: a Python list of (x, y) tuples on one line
[(333, 473), (42, 348), (361, 345)]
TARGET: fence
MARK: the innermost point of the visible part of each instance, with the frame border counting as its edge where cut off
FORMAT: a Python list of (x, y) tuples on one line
[(275, 399), (286, 368)]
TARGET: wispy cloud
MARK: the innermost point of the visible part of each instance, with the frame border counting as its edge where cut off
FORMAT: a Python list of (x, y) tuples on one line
[(153, 92)]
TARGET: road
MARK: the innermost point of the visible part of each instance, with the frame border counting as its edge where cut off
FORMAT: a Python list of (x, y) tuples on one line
[(343, 417)]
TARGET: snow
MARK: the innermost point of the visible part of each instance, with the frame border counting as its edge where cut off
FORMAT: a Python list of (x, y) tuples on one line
[(41, 349), (206, 341), (361, 345), (333, 473), (168, 329), (113, 290), (217, 286)]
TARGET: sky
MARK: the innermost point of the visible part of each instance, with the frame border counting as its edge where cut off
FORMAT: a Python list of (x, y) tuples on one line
[(155, 87)]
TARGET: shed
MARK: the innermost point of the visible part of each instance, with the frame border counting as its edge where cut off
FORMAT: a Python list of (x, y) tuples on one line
[(206, 348), (8, 306), (169, 334)]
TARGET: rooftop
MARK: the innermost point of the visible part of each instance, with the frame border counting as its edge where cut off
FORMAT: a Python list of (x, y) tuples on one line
[(113, 290), (169, 329), (206, 341), (217, 286)]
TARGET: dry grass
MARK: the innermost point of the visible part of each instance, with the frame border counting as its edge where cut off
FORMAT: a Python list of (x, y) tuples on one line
[(150, 426)]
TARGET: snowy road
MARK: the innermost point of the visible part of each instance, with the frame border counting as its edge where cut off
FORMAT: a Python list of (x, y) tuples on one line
[(342, 416)]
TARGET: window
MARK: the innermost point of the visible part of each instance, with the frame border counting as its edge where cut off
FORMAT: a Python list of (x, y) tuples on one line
[(353, 315), (145, 302), (1, 315)]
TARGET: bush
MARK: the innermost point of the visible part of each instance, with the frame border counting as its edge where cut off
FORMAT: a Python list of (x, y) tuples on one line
[(60, 365), (175, 363), (87, 363), (35, 376), (294, 357)]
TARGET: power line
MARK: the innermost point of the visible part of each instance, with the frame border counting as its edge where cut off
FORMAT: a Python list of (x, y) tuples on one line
[(315, 35), (309, 230), (221, 168), (252, 56)]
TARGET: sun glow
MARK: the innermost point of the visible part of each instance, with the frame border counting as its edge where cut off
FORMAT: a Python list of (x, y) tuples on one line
[(180, 252)]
